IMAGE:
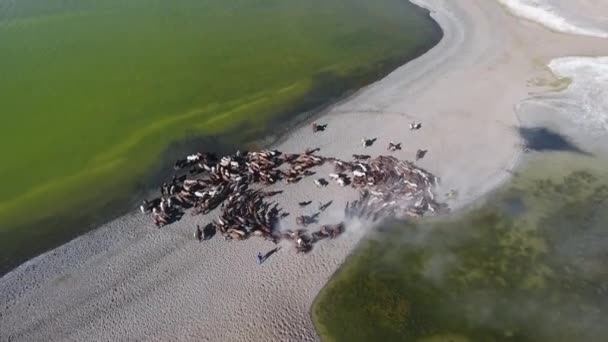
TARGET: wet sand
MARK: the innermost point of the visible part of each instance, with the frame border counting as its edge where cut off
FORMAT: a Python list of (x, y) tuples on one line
[(130, 281)]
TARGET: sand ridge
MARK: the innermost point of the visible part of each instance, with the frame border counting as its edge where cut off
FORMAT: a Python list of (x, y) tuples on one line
[(129, 281)]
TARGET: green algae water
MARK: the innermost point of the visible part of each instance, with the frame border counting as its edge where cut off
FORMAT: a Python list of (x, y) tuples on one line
[(93, 92), (530, 265)]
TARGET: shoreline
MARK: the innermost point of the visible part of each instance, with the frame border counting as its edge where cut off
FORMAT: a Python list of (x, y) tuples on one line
[(96, 215), (126, 280)]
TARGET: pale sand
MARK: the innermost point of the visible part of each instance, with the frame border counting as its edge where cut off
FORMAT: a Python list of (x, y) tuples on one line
[(128, 281)]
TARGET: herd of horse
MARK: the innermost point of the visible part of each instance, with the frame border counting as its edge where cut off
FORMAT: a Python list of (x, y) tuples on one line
[(238, 184)]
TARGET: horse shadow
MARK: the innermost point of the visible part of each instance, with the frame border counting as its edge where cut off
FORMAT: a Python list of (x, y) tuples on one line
[(209, 231), (270, 253), (370, 142)]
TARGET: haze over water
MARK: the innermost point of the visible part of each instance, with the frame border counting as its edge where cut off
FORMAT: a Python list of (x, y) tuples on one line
[(528, 264)]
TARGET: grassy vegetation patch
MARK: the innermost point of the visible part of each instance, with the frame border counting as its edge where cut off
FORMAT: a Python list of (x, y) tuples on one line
[(525, 267)]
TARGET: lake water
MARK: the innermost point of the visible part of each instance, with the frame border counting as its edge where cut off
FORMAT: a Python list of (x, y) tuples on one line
[(529, 265), (93, 92)]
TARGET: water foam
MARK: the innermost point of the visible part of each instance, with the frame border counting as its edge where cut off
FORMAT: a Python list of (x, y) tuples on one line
[(544, 13), (586, 99)]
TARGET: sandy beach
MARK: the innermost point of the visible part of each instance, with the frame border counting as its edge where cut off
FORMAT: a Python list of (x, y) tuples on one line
[(130, 281)]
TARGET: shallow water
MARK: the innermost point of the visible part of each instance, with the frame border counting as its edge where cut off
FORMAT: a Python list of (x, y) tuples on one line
[(92, 92), (529, 265), (581, 17), (585, 101), (526, 265)]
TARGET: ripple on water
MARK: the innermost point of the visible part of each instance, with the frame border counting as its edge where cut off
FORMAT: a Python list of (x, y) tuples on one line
[(563, 15), (583, 104), (586, 99)]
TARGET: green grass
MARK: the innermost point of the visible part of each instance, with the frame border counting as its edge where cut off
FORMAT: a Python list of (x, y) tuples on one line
[(93, 91), (528, 266)]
